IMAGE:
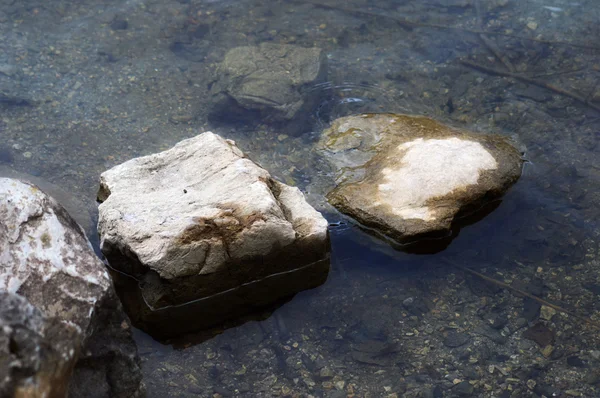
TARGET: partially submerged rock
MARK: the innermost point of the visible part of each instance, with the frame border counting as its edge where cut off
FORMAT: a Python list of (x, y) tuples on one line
[(54, 295), (270, 79), (410, 177), (83, 213), (200, 224)]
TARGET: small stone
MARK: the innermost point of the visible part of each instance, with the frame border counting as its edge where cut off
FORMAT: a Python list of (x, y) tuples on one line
[(456, 339), (326, 373), (539, 333), (532, 25), (547, 312), (339, 385), (463, 389), (282, 137), (576, 362), (547, 351), (573, 393), (8, 70), (119, 24)]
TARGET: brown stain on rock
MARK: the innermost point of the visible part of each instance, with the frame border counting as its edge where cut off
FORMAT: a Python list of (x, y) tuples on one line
[(225, 226)]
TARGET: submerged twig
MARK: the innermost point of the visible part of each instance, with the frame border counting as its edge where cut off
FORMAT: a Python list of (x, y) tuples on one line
[(413, 24), (529, 80), (496, 51), (490, 44), (522, 292)]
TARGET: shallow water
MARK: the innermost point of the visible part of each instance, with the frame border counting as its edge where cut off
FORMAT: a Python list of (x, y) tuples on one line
[(87, 85)]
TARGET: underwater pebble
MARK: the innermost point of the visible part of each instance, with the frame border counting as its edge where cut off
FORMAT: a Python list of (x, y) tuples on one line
[(547, 312)]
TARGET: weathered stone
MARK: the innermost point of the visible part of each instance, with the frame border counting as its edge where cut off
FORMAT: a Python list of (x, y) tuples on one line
[(202, 225), (270, 78), (409, 177), (80, 211), (53, 293)]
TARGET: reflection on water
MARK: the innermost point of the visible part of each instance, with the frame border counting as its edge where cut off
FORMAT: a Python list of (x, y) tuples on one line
[(338, 100), (87, 85)]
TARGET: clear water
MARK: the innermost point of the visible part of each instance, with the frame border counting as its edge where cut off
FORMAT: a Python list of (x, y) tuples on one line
[(81, 91)]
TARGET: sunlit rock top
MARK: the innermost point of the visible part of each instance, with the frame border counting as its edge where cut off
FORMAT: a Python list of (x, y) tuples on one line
[(410, 177)]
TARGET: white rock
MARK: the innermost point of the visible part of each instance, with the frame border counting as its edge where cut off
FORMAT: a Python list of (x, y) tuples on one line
[(54, 296), (200, 219)]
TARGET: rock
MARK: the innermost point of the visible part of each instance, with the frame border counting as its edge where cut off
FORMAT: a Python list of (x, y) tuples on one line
[(463, 389), (577, 362), (539, 333), (56, 302), (490, 333), (409, 177), (497, 321), (271, 79), (531, 309), (375, 352), (80, 211), (200, 224), (455, 339), (546, 312)]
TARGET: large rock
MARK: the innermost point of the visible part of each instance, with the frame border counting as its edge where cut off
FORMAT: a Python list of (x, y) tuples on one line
[(56, 301), (407, 178), (202, 225), (271, 79), (84, 212)]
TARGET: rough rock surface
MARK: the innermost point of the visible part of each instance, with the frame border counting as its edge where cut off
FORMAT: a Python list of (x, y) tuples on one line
[(82, 212), (410, 177), (201, 224), (270, 78), (54, 295)]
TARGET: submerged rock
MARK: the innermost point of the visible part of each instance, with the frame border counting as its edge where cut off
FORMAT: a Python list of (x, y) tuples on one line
[(409, 177), (200, 224), (270, 78), (54, 298)]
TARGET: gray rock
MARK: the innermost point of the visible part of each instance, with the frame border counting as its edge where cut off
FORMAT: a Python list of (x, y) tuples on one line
[(271, 78), (408, 178), (455, 339), (463, 389), (55, 294), (203, 229), (491, 333)]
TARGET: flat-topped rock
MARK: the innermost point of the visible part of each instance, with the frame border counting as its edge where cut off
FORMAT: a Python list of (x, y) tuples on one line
[(201, 224), (410, 177), (271, 79), (56, 302)]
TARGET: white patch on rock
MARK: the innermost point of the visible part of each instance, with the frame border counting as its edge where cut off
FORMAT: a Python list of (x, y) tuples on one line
[(432, 168)]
